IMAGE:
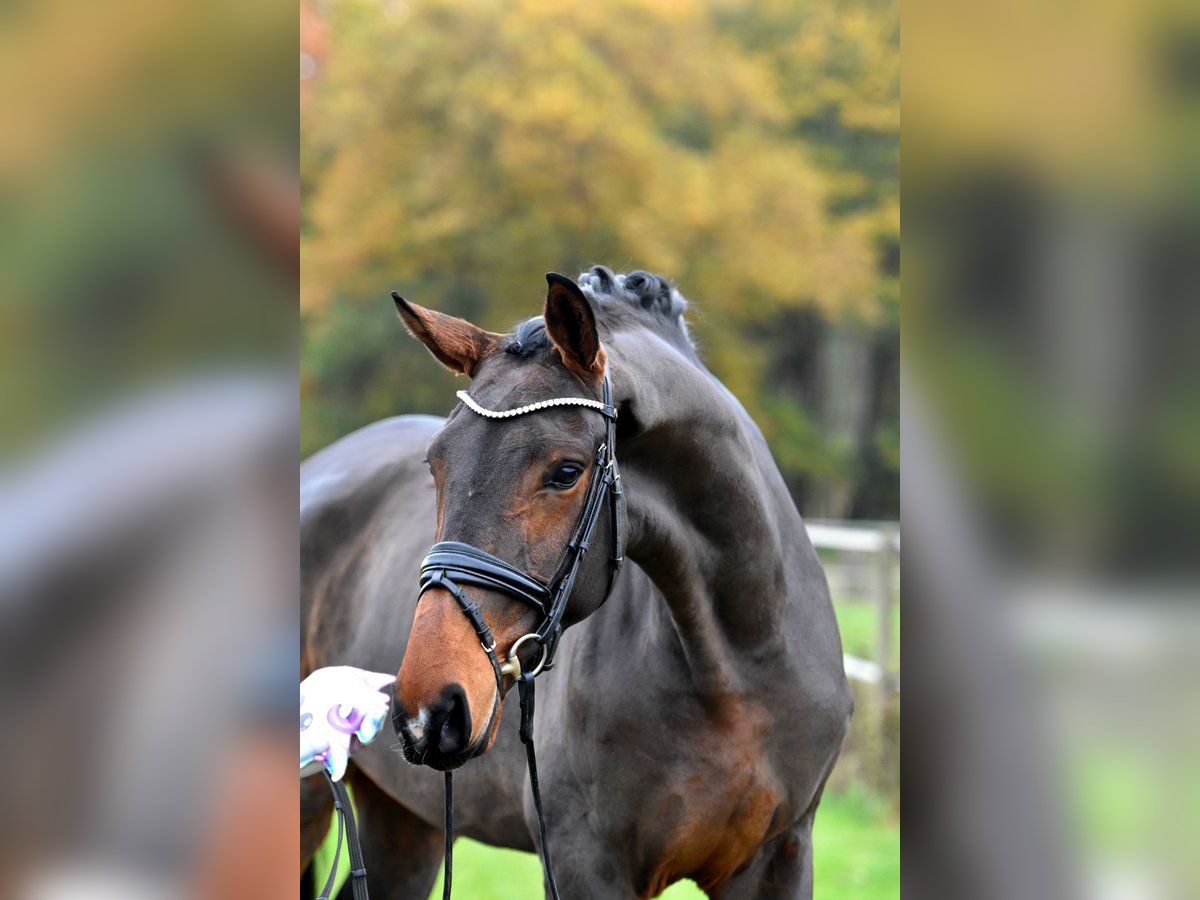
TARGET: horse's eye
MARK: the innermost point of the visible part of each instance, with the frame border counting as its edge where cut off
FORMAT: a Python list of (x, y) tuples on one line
[(565, 476)]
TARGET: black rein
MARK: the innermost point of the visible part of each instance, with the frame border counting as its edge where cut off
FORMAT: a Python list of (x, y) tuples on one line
[(451, 564)]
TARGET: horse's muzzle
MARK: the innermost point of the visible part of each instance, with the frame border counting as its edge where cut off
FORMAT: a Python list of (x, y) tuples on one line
[(438, 737)]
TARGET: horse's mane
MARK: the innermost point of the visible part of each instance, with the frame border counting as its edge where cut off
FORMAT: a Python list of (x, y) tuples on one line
[(619, 300)]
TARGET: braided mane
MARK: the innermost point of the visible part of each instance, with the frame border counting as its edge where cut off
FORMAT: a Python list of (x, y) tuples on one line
[(620, 300)]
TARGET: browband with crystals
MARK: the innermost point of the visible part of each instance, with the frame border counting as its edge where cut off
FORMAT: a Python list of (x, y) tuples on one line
[(452, 564), (602, 408)]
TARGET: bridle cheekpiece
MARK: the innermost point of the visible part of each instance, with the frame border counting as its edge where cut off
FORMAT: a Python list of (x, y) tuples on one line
[(453, 564)]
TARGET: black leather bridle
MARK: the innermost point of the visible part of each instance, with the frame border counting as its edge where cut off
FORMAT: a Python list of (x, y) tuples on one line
[(451, 565)]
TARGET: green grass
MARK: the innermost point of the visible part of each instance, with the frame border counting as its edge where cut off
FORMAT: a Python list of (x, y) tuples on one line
[(857, 837), (857, 854), (859, 624), (856, 844)]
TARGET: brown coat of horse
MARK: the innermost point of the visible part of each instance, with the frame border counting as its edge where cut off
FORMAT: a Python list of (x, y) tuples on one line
[(690, 722)]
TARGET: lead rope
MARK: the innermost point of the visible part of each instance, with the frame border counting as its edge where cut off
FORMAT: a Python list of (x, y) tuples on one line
[(525, 688), (525, 685), (340, 819), (449, 874), (345, 821), (358, 868)]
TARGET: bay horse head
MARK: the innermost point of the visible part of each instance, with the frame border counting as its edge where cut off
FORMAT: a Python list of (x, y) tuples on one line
[(526, 480)]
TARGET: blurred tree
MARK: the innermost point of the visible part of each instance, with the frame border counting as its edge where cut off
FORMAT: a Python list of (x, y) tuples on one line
[(457, 152)]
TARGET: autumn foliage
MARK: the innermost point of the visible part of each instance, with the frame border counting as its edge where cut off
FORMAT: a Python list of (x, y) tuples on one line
[(456, 152)]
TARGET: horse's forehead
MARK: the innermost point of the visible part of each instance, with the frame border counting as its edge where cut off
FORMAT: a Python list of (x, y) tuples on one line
[(481, 442), (505, 380), (470, 437), (507, 372)]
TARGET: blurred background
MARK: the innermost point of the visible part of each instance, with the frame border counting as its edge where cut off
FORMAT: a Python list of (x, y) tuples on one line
[(148, 222), (455, 152), (149, 213), (1051, 409)]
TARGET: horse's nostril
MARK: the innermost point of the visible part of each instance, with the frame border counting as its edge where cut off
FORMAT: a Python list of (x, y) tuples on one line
[(450, 721)]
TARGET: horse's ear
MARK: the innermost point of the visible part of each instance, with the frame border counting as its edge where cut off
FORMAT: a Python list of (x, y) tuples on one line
[(456, 343), (571, 324)]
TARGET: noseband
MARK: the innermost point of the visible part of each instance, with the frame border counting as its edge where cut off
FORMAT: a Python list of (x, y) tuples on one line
[(452, 564)]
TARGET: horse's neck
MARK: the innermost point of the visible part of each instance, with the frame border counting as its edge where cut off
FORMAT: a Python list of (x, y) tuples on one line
[(713, 526)]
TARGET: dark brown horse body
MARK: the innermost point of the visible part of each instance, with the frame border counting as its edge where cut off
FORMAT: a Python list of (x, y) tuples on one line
[(689, 723)]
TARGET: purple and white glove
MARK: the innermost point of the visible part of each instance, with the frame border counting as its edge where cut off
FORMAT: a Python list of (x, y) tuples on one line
[(341, 710)]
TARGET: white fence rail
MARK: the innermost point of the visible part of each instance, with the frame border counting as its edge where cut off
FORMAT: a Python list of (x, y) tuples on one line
[(875, 548)]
